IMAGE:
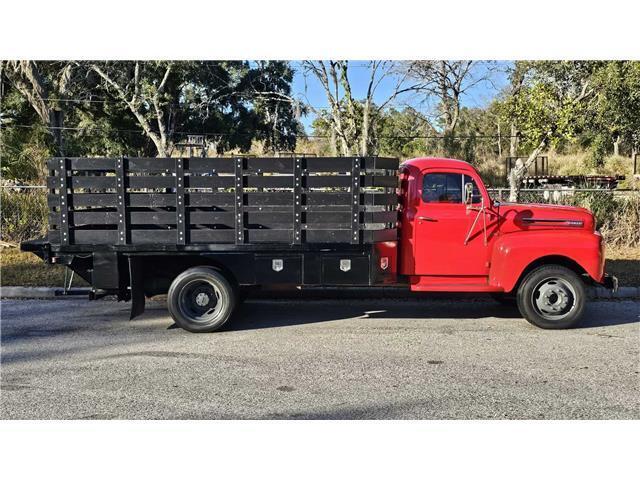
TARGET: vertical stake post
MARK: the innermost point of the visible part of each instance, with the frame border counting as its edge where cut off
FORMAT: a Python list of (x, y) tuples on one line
[(122, 211), (297, 200), (355, 201), (64, 202), (181, 219), (239, 201)]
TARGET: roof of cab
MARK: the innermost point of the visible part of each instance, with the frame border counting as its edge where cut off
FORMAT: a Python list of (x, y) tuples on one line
[(435, 162)]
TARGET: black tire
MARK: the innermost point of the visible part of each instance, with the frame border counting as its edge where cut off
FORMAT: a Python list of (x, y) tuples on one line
[(201, 299), (552, 297), (505, 299)]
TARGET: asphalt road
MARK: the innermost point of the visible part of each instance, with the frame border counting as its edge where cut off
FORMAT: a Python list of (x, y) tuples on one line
[(318, 359)]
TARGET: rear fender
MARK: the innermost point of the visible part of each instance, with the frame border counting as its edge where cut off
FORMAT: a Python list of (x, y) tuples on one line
[(514, 253)]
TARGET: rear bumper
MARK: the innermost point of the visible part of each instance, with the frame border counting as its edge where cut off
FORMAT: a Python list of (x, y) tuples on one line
[(610, 282)]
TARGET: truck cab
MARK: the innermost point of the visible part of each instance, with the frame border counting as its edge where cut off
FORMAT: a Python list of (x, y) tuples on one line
[(454, 238)]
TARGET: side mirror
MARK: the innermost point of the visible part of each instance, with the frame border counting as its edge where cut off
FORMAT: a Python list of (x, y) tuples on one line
[(468, 193)]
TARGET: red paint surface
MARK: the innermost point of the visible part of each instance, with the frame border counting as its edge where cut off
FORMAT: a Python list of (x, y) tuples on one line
[(432, 246)]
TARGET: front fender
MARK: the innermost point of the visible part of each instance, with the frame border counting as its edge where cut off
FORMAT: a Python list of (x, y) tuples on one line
[(514, 252)]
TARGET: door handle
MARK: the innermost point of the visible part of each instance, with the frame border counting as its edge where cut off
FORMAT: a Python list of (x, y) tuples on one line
[(427, 219)]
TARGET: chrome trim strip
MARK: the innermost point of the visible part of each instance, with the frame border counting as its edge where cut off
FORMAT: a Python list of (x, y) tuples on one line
[(570, 222)]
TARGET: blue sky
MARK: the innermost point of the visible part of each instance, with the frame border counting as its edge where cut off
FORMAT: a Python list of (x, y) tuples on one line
[(310, 91)]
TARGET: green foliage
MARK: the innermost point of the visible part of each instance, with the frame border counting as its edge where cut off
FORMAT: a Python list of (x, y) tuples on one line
[(407, 134), (240, 101), (24, 214), (24, 153), (270, 88), (22, 150), (588, 103), (395, 129), (616, 113), (539, 110), (618, 218)]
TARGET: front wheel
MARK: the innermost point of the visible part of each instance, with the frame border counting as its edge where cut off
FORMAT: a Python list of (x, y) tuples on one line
[(552, 297), (201, 299)]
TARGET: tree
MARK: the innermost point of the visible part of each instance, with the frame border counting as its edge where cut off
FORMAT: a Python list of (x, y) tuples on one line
[(353, 121), (403, 133), (447, 81), (44, 85), (268, 86), (236, 102), (517, 73), (141, 86), (549, 108), (477, 135), (35, 99), (617, 107), (139, 108)]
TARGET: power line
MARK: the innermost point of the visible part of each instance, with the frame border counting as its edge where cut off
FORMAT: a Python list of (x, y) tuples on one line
[(314, 107), (114, 101), (229, 134)]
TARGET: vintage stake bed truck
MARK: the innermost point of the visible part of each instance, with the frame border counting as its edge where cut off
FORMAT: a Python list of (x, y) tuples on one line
[(204, 229)]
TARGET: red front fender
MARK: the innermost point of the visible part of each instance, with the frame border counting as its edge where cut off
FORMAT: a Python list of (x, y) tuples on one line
[(514, 252)]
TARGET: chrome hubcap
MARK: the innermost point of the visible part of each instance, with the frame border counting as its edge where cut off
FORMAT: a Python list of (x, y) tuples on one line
[(554, 298), (202, 299)]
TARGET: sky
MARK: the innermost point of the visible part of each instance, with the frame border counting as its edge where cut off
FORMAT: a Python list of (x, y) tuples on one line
[(310, 91)]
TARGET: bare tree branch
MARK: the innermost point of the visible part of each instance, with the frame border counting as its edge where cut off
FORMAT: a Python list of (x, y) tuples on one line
[(134, 106), (353, 120)]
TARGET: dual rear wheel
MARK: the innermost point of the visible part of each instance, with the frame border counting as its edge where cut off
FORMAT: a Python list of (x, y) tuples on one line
[(202, 299)]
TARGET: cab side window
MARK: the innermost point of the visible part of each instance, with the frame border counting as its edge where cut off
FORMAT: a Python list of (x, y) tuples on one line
[(442, 188)]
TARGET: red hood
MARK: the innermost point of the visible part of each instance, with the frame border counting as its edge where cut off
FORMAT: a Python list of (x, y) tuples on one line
[(543, 216)]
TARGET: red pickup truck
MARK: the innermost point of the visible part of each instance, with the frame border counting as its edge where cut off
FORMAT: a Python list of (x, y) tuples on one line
[(203, 230)]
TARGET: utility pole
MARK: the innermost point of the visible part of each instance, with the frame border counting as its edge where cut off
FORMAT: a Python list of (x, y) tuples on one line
[(57, 122)]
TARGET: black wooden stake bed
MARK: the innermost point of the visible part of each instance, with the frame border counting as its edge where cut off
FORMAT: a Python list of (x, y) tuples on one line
[(129, 226)]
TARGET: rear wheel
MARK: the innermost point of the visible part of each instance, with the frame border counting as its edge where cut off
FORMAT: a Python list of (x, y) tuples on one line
[(201, 299), (552, 297)]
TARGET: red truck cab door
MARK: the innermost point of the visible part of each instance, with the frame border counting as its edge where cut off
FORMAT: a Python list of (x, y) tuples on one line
[(441, 222)]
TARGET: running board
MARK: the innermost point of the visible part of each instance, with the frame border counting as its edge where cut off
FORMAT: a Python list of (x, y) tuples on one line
[(443, 283)]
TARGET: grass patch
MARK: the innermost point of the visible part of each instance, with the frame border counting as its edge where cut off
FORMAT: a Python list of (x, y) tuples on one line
[(23, 214), (25, 269), (624, 263)]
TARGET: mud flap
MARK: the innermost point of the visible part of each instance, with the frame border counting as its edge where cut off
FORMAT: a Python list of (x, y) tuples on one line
[(137, 287)]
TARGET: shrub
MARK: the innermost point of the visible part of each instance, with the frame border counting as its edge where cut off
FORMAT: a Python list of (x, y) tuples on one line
[(23, 214), (618, 218)]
